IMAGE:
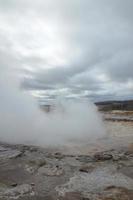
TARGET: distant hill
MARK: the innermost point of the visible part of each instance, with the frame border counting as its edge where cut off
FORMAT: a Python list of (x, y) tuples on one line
[(115, 105)]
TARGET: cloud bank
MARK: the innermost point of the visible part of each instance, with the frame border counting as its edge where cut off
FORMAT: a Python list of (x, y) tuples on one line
[(69, 48)]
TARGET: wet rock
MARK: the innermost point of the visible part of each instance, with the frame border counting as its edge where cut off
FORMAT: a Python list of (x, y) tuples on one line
[(33, 165), (86, 168), (97, 180), (51, 171), (25, 148), (103, 156), (28, 149), (116, 157), (17, 192), (33, 149), (19, 155), (14, 184), (121, 164), (76, 177), (58, 155), (116, 193), (72, 196), (39, 162), (12, 172), (112, 193), (84, 159), (127, 170), (9, 153), (30, 169)]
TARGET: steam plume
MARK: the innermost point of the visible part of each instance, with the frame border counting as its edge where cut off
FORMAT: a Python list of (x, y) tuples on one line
[(21, 120)]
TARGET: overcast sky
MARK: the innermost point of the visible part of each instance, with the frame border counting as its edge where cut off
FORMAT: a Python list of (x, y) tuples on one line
[(69, 48)]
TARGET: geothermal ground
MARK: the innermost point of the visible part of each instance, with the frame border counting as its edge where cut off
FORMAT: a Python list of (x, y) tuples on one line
[(90, 170)]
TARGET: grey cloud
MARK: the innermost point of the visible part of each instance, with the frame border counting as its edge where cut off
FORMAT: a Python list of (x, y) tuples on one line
[(93, 37), (31, 84), (122, 66)]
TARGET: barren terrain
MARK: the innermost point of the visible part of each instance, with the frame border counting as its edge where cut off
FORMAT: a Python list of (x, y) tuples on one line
[(87, 170)]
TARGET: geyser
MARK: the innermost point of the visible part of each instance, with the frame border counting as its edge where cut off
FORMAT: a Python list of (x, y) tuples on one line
[(22, 121)]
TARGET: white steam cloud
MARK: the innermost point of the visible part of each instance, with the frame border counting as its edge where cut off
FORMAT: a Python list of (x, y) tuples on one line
[(21, 120)]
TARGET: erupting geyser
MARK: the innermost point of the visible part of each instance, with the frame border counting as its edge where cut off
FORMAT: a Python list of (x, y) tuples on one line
[(22, 121)]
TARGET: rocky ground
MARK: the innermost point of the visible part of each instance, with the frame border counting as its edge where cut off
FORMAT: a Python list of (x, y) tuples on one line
[(28, 172)]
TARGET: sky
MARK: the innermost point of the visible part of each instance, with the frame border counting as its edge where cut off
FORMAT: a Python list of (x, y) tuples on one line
[(69, 48)]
